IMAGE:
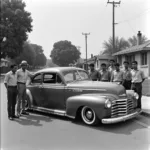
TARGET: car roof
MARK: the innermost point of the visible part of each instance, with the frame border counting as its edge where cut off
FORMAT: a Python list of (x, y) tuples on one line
[(58, 69)]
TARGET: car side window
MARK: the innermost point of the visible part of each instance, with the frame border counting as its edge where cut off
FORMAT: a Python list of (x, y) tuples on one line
[(37, 79), (51, 78), (69, 76)]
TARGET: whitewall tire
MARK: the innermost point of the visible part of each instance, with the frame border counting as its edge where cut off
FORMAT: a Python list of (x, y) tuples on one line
[(88, 116)]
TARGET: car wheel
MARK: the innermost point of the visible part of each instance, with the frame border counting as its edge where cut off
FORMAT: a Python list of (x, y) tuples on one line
[(88, 116), (27, 102)]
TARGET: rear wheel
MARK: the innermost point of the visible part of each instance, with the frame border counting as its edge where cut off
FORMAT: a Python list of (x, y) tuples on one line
[(88, 116), (27, 101)]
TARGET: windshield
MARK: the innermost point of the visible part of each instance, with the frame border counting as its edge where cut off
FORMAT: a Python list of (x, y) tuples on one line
[(75, 75)]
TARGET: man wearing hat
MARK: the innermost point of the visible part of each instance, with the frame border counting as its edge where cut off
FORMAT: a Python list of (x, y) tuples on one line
[(22, 76)]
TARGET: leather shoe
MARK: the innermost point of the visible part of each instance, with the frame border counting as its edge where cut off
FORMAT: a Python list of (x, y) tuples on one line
[(16, 116), (11, 118)]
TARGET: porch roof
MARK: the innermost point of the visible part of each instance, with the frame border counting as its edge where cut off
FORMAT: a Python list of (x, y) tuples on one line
[(133, 49)]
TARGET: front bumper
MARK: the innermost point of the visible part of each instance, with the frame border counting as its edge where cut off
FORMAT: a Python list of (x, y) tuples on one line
[(122, 118)]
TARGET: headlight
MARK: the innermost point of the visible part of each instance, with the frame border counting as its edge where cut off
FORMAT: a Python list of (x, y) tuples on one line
[(136, 95), (107, 103)]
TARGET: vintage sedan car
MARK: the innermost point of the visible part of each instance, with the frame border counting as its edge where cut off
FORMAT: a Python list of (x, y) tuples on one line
[(68, 91)]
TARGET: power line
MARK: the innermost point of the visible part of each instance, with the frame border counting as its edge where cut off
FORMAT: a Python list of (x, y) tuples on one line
[(135, 17), (128, 22)]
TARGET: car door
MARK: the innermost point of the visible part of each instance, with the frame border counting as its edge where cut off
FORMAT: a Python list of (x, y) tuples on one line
[(36, 89), (53, 91)]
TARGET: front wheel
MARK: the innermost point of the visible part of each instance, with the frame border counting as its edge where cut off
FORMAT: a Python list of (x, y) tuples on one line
[(88, 116)]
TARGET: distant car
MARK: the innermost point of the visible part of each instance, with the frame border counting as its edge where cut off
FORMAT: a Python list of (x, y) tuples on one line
[(68, 91)]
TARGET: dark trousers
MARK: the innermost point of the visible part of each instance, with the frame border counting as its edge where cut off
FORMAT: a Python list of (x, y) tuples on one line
[(137, 87), (127, 84), (21, 97), (12, 95)]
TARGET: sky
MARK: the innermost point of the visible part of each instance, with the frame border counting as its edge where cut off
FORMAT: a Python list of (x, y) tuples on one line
[(56, 20)]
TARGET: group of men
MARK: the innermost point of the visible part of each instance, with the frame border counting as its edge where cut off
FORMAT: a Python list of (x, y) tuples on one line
[(15, 83), (129, 78)]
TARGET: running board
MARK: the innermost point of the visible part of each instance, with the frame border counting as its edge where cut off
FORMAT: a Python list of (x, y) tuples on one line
[(50, 111)]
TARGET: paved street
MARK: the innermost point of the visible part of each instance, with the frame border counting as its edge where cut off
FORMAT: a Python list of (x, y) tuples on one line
[(38, 132)]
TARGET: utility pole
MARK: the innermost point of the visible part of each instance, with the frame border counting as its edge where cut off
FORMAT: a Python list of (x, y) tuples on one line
[(86, 34), (113, 21)]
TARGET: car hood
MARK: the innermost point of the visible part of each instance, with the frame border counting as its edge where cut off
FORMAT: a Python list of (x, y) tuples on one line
[(102, 87)]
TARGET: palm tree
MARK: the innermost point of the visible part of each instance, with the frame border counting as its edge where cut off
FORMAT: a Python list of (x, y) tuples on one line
[(120, 44), (133, 40)]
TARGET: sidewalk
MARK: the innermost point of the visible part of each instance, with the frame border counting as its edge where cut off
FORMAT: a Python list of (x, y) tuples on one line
[(146, 106)]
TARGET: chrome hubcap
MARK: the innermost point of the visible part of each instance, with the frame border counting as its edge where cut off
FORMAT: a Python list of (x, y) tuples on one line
[(89, 114)]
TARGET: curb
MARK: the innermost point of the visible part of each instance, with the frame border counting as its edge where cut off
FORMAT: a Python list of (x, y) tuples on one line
[(145, 114)]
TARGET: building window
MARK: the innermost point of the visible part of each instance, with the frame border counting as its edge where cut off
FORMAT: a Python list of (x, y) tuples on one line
[(144, 58)]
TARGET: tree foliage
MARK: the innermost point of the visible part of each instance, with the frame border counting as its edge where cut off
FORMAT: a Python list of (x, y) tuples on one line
[(133, 40), (64, 53), (40, 58), (14, 26), (33, 54), (27, 54), (120, 44)]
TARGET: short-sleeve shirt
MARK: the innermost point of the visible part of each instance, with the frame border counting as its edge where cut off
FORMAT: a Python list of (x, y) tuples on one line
[(111, 69), (127, 74), (22, 76), (137, 76), (94, 75), (11, 79), (117, 76), (105, 75)]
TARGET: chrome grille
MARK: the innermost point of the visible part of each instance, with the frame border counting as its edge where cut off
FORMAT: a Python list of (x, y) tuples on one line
[(121, 107)]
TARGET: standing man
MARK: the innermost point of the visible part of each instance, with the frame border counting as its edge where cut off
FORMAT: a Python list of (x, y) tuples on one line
[(127, 76), (94, 74), (22, 76), (10, 82), (137, 79), (117, 74), (111, 68), (104, 73)]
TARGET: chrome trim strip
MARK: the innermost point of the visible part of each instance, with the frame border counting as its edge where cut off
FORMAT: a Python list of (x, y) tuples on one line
[(70, 116), (122, 118), (74, 88), (51, 111)]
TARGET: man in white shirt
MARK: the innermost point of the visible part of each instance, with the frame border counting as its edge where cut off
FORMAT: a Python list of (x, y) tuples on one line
[(10, 82), (117, 74), (22, 76), (127, 76), (111, 68), (105, 74), (94, 75), (137, 79)]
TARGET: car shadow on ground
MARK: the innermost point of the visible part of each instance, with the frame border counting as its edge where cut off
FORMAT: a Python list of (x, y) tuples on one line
[(32, 119), (126, 127)]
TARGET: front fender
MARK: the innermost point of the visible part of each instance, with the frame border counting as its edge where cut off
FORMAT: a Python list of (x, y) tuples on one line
[(96, 102)]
